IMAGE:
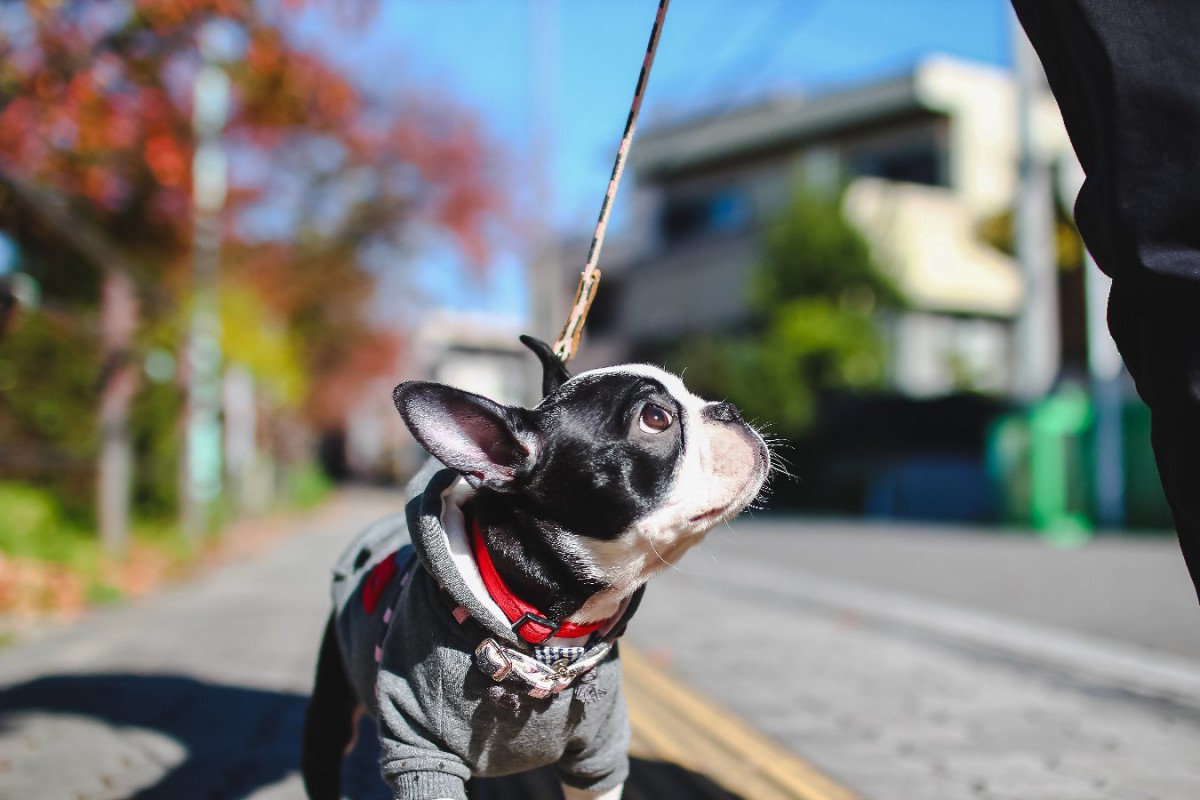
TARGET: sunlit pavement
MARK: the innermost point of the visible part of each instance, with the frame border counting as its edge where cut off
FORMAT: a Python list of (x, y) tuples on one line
[(784, 659), (912, 663)]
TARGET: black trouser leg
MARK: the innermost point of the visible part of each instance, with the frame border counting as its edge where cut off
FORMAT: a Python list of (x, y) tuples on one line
[(1124, 73)]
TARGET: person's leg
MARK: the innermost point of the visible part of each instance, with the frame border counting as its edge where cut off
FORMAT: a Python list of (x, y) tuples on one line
[(1124, 73)]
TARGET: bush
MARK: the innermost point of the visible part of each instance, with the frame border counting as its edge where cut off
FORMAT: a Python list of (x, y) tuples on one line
[(49, 372), (36, 528), (307, 485)]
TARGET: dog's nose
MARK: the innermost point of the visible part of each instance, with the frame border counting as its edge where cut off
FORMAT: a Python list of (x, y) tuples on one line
[(723, 412)]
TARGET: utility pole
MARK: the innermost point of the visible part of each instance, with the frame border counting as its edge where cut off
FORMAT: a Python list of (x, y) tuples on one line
[(1038, 346), (548, 304), (119, 384), (202, 462), (1106, 370), (1105, 374)]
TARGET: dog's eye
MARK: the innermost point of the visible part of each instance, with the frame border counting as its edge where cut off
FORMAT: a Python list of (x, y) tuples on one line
[(654, 419)]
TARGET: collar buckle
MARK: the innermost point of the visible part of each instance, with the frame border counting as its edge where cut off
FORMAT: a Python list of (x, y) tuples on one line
[(536, 619)]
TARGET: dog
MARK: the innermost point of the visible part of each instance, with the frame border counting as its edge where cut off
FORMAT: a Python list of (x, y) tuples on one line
[(479, 627)]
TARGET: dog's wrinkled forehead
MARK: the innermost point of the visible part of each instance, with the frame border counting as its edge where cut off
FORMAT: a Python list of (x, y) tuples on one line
[(614, 385), (610, 444), (669, 381)]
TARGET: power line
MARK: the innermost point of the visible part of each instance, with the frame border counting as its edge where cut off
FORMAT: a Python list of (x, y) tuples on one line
[(736, 72)]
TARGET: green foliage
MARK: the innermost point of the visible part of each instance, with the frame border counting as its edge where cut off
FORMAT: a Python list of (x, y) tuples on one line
[(307, 486), (811, 251), (155, 429), (776, 377), (97, 140), (48, 380), (48, 394), (36, 528), (814, 295), (28, 512), (102, 594), (999, 231), (257, 339)]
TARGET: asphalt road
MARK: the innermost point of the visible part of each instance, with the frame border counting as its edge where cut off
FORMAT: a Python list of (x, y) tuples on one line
[(918, 664), (1133, 589), (903, 663)]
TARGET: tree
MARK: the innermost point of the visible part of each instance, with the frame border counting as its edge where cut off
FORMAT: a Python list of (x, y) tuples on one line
[(814, 299), (95, 114)]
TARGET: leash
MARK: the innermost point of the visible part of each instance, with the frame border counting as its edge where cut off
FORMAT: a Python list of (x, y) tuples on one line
[(568, 341)]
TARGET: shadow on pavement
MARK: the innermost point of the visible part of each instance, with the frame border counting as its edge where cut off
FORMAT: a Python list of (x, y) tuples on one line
[(239, 739)]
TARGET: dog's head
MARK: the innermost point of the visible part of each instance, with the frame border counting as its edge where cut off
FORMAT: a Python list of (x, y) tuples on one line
[(623, 468)]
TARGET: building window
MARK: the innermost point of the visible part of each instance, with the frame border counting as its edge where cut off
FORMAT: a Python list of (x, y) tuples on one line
[(916, 165), (688, 217), (604, 313)]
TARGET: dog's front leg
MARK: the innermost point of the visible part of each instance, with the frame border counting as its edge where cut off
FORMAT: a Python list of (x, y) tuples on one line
[(571, 793)]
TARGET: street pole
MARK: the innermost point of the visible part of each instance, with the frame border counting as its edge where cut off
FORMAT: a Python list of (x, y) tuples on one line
[(1105, 374), (119, 384), (1037, 336), (548, 304), (1106, 370), (202, 465)]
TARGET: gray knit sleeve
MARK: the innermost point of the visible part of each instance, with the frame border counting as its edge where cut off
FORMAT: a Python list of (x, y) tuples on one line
[(413, 766), (600, 761)]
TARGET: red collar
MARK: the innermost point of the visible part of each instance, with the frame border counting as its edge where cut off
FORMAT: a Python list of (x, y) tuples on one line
[(528, 622)]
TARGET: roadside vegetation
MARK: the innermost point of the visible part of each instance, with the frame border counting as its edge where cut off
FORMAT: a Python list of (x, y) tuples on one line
[(818, 298), (331, 182)]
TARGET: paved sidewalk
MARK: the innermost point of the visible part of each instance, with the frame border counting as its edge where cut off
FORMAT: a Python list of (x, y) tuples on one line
[(197, 692), (901, 697), (891, 659)]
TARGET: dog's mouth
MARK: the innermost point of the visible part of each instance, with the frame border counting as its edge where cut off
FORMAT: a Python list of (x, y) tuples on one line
[(716, 512), (744, 497)]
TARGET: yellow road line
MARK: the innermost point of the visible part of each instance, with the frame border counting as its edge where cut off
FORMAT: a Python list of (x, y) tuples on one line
[(667, 738), (677, 725)]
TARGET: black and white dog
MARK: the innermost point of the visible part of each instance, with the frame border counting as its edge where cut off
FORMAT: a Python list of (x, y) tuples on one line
[(478, 628)]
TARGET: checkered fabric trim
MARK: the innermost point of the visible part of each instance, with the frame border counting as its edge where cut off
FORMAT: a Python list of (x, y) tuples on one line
[(551, 655)]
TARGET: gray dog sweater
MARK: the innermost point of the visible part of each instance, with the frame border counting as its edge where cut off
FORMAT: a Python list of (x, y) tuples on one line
[(408, 632)]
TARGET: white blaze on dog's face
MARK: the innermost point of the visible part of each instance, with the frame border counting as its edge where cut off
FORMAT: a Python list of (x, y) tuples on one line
[(716, 462)]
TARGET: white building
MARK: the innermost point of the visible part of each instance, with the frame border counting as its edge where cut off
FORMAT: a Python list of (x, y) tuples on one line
[(926, 158), (476, 352)]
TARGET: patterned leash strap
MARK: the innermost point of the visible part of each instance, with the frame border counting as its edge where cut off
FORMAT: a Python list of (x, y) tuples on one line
[(568, 341), (499, 662)]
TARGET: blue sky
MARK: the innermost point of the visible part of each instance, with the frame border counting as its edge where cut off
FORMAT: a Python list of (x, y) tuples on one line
[(551, 81)]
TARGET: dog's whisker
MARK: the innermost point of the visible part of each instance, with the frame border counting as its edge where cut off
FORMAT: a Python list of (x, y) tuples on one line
[(660, 558)]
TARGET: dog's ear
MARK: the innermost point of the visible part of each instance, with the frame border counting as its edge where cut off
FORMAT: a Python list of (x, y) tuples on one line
[(478, 437), (554, 371)]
